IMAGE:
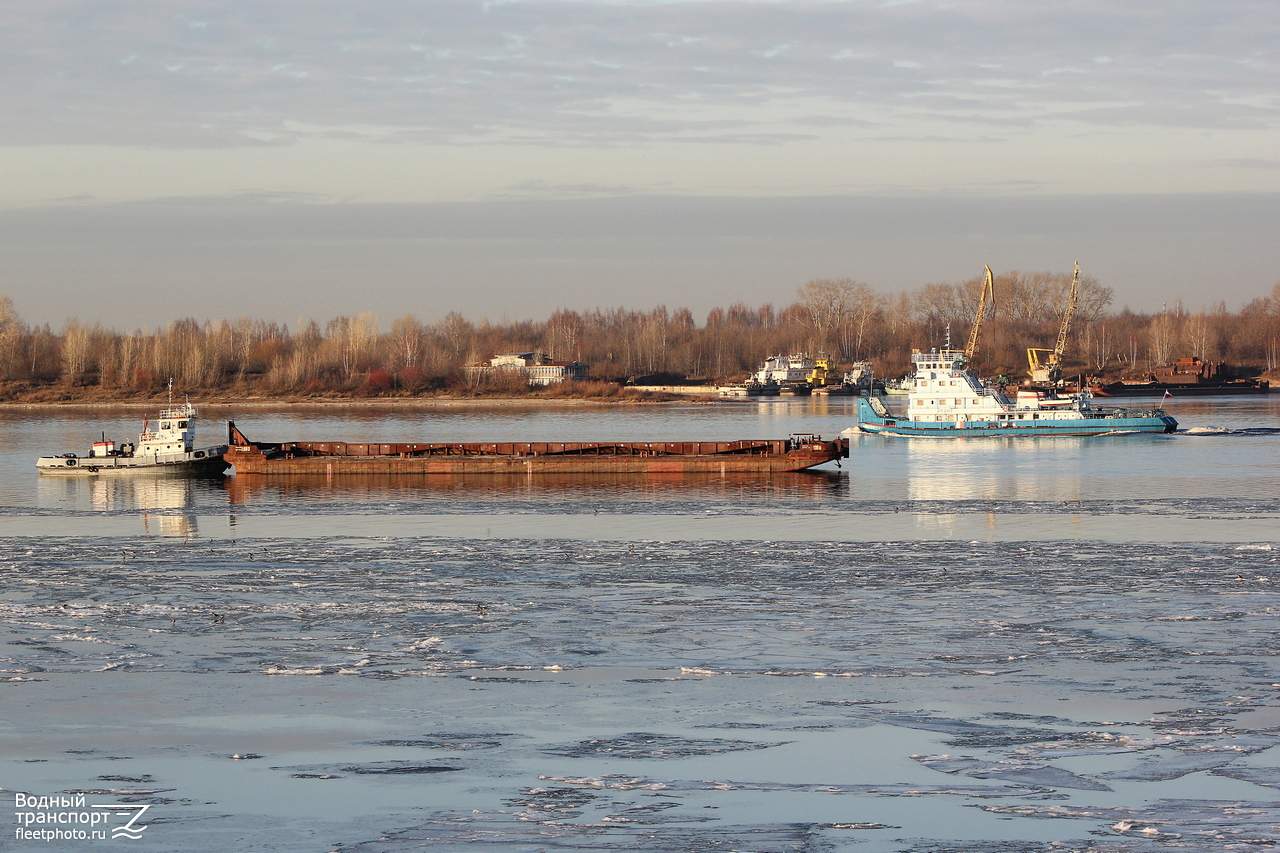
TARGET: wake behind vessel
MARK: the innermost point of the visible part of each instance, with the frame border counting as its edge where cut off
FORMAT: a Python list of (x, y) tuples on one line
[(166, 449), (947, 400)]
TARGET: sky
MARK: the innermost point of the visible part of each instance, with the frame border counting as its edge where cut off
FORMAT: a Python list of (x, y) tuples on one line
[(278, 159)]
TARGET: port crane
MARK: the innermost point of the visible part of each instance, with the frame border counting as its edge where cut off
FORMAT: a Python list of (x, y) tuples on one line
[(988, 289), (1050, 368)]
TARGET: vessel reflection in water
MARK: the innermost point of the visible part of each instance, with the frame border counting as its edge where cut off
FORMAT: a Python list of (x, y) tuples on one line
[(386, 489), (1018, 469), (165, 505)]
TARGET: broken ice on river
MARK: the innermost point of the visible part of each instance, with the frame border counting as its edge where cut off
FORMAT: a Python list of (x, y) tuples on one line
[(876, 658)]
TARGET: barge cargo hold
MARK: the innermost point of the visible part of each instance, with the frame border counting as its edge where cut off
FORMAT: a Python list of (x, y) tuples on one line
[(796, 453)]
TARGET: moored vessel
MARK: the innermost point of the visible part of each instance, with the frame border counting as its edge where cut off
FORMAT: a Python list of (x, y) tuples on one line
[(1189, 376), (900, 387), (800, 375), (796, 453), (947, 400), (750, 388), (166, 449)]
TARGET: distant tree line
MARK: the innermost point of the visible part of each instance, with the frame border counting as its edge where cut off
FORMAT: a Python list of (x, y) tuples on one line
[(353, 355)]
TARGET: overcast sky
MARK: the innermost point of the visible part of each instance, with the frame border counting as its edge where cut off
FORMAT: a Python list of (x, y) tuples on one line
[(284, 159)]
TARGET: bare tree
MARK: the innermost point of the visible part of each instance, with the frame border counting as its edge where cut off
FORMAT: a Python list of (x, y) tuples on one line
[(406, 341), (1162, 337), (828, 304), (1197, 334), (653, 340), (456, 331), (866, 306), (10, 329), (564, 332), (76, 341)]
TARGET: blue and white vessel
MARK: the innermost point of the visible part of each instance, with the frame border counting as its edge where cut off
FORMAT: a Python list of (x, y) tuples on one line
[(947, 400)]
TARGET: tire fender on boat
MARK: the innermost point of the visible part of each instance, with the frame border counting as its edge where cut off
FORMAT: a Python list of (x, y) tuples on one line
[(71, 463)]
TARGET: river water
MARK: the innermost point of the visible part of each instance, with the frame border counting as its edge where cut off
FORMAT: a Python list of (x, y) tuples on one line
[(978, 645)]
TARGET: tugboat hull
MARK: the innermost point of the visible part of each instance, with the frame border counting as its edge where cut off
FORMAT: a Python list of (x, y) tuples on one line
[(200, 463), (1102, 426)]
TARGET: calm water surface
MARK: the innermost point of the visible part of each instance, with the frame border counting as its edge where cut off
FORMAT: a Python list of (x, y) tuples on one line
[(991, 644)]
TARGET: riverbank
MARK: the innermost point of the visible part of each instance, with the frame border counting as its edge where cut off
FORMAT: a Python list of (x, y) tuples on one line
[(114, 398)]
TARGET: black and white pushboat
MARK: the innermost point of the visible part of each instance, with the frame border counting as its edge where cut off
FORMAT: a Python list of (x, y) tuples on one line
[(165, 448)]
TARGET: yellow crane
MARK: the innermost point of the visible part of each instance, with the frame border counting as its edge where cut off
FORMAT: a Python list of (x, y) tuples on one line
[(988, 289), (1050, 369)]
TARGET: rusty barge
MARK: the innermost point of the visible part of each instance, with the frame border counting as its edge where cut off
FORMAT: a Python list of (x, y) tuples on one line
[(797, 453)]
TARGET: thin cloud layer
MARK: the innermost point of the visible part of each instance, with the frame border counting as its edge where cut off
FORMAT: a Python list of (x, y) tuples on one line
[(555, 73)]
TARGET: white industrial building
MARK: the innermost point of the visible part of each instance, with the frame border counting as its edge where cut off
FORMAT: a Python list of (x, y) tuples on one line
[(538, 367)]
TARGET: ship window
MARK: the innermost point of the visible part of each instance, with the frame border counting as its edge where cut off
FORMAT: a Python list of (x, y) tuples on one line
[(182, 424), (164, 425)]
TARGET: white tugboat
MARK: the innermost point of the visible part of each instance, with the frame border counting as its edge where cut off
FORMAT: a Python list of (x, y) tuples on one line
[(166, 448)]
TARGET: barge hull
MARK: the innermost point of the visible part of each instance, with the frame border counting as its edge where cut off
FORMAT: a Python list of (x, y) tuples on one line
[(527, 458), (1157, 389)]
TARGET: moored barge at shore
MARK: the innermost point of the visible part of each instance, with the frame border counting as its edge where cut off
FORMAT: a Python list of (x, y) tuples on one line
[(1131, 388), (796, 453), (1185, 377)]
